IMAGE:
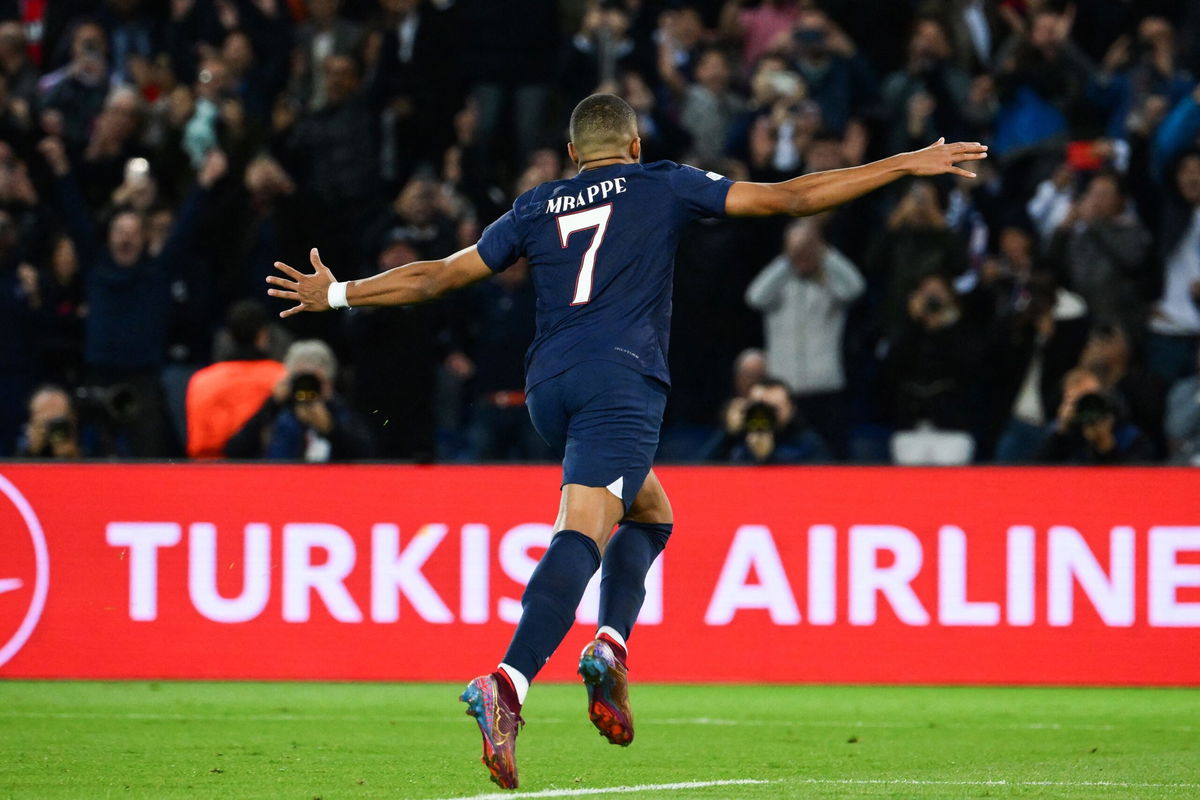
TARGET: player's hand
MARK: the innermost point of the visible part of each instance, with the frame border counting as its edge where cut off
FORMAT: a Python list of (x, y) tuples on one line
[(310, 292), (940, 158)]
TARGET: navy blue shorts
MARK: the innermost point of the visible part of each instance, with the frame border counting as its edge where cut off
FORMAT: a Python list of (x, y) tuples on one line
[(603, 420)]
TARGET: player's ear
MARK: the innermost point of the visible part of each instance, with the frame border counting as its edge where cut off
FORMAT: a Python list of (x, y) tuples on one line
[(635, 149), (571, 152)]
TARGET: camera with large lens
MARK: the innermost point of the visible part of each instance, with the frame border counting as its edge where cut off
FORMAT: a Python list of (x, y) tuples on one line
[(760, 418), (305, 388), (60, 429), (932, 304), (1092, 408)]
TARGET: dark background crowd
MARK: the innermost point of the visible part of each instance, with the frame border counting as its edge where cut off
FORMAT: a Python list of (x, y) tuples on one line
[(156, 158)]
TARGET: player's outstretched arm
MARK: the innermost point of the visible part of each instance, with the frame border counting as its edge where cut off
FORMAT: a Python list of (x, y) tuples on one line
[(418, 282), (820, 191)]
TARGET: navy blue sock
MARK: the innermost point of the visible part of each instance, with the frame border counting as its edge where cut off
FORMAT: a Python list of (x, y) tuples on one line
[(627, 559), (550, 599)]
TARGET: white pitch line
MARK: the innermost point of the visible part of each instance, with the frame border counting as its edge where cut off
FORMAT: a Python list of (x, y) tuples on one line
[(1058, 784), (645, 787)]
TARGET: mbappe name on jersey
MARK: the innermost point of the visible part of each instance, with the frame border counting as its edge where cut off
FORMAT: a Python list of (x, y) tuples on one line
[(597, 191)]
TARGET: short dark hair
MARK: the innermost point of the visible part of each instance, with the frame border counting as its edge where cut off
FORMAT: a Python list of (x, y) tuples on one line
[(246, 320), (602, 120)]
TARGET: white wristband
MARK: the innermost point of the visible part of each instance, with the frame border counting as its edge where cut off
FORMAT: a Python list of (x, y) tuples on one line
[(337, 295)]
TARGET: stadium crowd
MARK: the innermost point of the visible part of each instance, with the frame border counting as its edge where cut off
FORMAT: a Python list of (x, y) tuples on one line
[(157, 158)]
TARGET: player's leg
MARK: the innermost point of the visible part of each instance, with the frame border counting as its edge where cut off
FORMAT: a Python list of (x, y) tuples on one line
[(605, 418), (587, 513), (642, 535), (586, 517), (603, 665)]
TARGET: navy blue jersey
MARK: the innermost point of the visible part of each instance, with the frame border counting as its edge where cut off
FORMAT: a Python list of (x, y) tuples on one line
[(602, 250)]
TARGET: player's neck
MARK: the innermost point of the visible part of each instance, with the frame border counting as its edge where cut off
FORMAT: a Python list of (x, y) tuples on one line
[(603, 161)]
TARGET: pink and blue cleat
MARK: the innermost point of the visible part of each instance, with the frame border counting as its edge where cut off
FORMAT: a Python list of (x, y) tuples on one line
[(499, 722), (602, 667)]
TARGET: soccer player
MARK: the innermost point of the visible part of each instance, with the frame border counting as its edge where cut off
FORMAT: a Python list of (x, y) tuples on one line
[(602, 247)]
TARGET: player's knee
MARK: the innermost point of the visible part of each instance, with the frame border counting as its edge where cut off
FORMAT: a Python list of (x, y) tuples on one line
[(656, 532)]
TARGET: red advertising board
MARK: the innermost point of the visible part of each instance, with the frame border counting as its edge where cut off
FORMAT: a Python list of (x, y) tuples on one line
[(980, 576)]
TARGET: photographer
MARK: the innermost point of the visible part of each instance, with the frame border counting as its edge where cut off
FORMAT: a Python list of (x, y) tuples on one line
[(930, 378), (53, 427), (764, 428), (1088, 429), (303, 420)]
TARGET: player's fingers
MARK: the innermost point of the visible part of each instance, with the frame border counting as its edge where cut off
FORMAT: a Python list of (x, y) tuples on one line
[(962, 172), (293, 310), (275, 280), (315, 257), (286, 270), (970, 156), (283, 294)]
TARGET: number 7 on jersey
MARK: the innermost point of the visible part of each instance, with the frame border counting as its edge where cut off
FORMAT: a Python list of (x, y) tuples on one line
[(569, 224)]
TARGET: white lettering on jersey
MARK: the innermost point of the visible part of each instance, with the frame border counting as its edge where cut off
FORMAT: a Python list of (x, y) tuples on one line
[(597, 191)]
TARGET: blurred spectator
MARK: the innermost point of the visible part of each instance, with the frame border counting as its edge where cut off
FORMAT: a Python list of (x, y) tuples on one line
[(501, 315), (1041, 332), (52, 430), (1175, 319), (930, 378), (975, 28), (303, 419), (662, 137), (62, 295), (679, 37), (1089, 431), (758, 27), (72, 96), (322, 36), (1138, 67), (916, 243), (931, 96), (417, 85), (398, 351), (222, 397), (1183, 420), (128, 295), (709, 107), (765, 428), (1102, 247), (803, 295), (1109, 355), (1042, 77), (838, 79), (505, 49), (419, 215), (333, 151), (601, 50), (20, 74), (20, 320)]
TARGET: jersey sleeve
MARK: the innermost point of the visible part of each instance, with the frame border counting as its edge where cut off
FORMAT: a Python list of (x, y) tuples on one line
[(701, 193), (500, 243)]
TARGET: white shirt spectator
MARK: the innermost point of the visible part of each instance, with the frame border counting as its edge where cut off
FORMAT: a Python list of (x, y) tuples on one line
[(804, 311)]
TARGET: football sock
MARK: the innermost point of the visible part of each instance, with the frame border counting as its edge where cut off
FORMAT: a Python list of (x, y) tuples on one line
[(513, 685), (628, 558), (550, 599), (615, 641), (612, 636)]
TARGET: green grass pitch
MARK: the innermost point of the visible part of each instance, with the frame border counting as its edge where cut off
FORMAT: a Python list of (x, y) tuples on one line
[(333, 741)]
